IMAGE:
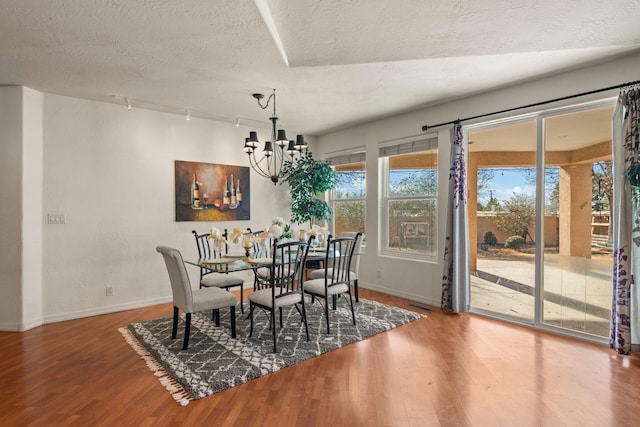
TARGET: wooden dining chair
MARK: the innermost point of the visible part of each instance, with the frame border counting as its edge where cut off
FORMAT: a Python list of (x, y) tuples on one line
[(284, 290), (213, 279), (191, 301), (335, 280)]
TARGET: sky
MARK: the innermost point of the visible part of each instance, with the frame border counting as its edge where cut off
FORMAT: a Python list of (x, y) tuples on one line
[(506, 182)]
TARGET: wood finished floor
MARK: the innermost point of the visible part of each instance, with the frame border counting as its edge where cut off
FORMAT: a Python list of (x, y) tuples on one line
[(442, 370)]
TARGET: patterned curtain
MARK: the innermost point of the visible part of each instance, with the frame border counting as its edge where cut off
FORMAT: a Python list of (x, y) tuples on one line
[(455, 280), (624, 335)]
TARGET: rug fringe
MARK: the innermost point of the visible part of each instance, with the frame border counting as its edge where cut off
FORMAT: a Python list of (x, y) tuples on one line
[(172, 386)]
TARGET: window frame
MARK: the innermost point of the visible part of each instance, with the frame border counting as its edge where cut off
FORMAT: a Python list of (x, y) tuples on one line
[(353, 156), (422, 144)]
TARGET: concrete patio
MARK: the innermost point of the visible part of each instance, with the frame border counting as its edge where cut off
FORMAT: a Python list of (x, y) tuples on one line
[(577, 290)]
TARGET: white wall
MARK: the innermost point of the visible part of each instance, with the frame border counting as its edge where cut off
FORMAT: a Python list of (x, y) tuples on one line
[(20, 208), (422, 281), (32, 214), (111, 172), (10, 207)]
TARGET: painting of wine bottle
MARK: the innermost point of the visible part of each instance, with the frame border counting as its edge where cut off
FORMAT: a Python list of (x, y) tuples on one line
[(211, 192)]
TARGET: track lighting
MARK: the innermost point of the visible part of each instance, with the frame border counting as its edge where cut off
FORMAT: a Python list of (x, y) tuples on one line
[(188, 114)]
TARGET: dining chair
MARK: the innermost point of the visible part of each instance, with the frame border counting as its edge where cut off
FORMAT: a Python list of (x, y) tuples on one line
[(261, 248), (355, 264), (335, 280), (285, 282), (213, 279), (191, 301)]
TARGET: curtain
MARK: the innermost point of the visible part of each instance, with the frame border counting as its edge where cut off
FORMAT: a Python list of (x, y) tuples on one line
[(626, 222), (455, 281)]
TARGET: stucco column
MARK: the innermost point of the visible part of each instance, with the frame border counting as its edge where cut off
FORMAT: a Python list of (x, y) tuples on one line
[(472, 207), (575, 210)]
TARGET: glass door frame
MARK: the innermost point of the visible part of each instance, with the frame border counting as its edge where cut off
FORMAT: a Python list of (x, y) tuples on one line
[(539, 117)]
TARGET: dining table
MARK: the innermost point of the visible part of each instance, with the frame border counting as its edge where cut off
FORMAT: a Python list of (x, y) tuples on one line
[(230, 263)]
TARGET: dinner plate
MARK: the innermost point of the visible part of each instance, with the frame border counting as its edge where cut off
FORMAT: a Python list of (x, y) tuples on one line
[(217, 261)]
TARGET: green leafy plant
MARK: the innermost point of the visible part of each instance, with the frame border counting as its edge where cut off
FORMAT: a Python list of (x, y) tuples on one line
[(490, 239), (514, 242), (307, 179)]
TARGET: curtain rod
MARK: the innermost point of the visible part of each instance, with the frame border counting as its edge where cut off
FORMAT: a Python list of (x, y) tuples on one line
[(426, 127)]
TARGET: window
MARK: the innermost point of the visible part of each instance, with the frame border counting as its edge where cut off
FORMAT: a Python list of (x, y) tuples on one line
[(410, 191), (347, 200)]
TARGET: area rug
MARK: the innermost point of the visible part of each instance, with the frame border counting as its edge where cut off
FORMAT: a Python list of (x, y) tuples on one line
[(214, 361)]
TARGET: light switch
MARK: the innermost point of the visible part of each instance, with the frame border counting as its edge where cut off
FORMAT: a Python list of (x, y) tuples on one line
[(56, 218)]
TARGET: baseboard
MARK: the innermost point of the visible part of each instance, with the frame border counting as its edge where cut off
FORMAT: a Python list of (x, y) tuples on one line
[(10, 327), (396, 293), (105, 310)]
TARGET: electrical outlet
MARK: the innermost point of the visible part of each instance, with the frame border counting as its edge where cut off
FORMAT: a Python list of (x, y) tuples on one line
[(109, 291), (56, 218)]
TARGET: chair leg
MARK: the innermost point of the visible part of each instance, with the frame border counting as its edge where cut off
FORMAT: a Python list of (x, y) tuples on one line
[(241, 298), (233, 321), (251, 318), (174, 330), (273, 316), (326, 311), (353, 313), (304, 318), (216, 316), (280, 317), (187, 331), (334, 302), (355, 286)]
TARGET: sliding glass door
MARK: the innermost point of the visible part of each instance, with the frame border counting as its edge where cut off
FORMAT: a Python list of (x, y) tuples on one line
[(539, 219), (502, 172), (578, 273)]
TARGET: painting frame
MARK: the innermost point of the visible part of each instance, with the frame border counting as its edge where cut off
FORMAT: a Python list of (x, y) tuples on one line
[(215, 187)]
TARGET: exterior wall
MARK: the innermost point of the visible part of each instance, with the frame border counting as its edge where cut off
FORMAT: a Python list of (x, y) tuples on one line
[(486, 223)]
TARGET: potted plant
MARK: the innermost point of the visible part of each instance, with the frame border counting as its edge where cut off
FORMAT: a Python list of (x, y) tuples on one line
[(307, 179)]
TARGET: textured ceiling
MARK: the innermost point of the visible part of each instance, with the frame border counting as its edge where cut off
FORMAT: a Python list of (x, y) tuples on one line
[(334, 63)]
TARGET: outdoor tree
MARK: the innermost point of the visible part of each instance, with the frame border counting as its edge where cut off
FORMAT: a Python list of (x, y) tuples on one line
[(518, 216), (485, 176), (551, 187), (602, 185), (423, 182), (350, 214), (493, 204)]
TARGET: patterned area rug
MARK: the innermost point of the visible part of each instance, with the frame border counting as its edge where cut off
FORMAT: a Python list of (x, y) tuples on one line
[(214, 361)]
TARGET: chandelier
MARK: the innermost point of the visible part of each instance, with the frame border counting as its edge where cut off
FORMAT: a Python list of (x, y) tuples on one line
[(277, 151)]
